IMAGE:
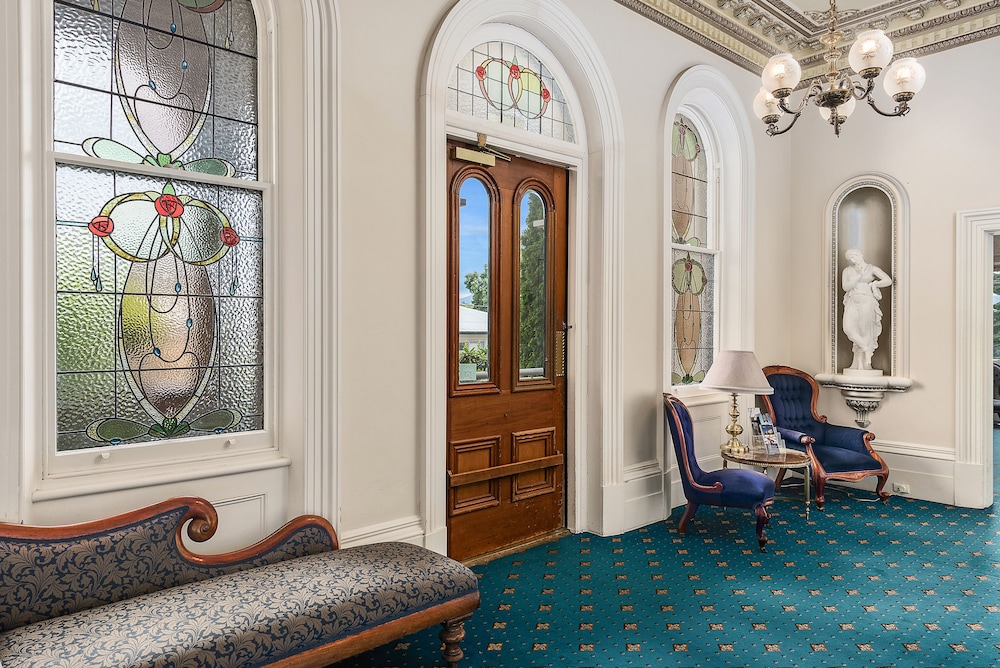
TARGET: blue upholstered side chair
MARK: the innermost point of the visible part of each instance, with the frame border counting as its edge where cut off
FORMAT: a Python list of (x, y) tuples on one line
[(837, 453), (733, 488)]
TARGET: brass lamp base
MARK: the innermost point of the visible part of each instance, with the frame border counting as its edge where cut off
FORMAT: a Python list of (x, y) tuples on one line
[(734, 445)]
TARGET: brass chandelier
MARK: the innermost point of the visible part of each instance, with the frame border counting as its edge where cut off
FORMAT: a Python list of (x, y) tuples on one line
[(837, 95)]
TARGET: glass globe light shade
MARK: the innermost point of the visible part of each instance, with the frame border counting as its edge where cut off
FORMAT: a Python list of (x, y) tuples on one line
[(765, 107), (904, 79), (781, 75), (844, 110), (870, 53)]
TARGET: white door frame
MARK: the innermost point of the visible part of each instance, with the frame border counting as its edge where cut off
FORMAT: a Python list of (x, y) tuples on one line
[(974, 353), (595, 436)]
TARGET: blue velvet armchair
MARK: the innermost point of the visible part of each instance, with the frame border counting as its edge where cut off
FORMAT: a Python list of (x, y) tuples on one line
[(733, 488), (837, 452)]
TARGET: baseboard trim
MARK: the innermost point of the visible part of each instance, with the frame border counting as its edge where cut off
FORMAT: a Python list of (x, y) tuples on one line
[(406, 529)]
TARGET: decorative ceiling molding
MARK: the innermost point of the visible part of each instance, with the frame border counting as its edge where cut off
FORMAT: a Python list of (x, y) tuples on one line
[(749, 32)]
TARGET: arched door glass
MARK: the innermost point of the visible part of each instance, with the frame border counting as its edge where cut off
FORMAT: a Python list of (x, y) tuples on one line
[(533, 287), (474, 282)]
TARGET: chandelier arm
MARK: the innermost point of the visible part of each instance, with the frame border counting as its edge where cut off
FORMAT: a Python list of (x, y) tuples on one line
[(901, 109), (862, 92), (810, 94), (772, 128)]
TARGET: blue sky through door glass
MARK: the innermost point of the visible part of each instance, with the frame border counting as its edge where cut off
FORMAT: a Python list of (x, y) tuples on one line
[(474, 243)]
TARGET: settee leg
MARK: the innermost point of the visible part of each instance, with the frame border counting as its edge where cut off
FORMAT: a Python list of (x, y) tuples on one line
[(452, 633)]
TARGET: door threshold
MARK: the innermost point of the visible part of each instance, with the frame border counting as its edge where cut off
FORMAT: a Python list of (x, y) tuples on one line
[(517, 547)]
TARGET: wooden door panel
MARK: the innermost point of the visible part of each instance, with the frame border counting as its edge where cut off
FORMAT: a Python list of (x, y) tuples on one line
[(473, 456), (535, 445), (506, 435)]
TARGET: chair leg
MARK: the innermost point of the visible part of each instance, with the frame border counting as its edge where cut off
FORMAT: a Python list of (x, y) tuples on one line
[(779, 478), (882, 479), (452, 633), (689, 512), (819, 484), (763, 519)]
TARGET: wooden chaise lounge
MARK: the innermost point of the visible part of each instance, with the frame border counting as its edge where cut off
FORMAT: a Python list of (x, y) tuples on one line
[(125, 591)]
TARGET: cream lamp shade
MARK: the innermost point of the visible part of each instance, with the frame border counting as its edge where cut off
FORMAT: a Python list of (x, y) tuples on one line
[(737, 371)]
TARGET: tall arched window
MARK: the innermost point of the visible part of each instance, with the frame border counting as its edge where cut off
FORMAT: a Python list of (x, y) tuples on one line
[(159, 224), (693, 257), (708, 255)]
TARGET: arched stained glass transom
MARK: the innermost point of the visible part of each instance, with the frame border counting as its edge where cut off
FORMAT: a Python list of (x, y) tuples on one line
[(159, 270), (505, 83), (693, 257)]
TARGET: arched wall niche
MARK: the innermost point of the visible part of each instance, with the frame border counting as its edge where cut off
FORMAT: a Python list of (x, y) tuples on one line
[(869, 212)]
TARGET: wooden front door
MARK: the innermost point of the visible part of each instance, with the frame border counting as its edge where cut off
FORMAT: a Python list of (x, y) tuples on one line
[(506, 353)]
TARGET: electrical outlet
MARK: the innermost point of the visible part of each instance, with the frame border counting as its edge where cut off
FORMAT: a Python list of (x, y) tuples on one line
[(901, 488)]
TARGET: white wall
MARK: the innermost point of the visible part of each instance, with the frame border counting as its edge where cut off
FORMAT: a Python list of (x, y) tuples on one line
[(944, 153)]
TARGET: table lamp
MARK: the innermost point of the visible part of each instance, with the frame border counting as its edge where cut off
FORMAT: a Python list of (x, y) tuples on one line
[(736, 371)]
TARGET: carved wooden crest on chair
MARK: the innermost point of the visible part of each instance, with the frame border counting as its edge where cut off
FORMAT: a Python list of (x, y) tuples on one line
[(732, 488), (837, 452)]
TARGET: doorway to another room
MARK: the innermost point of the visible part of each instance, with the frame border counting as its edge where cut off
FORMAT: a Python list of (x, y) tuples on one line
[(506, 406), (996, 365)]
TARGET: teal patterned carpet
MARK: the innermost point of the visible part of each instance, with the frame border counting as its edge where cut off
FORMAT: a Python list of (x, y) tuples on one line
[(911, 583)]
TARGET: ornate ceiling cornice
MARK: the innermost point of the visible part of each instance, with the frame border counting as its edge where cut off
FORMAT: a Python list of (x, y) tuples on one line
[(748, 32)]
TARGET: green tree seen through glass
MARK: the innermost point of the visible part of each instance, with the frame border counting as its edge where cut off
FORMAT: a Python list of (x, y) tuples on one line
[(533, 282)]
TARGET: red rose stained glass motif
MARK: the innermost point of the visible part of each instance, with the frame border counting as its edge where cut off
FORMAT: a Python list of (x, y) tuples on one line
[(229, 236), (527, 94), (101, 226), (169, 205)]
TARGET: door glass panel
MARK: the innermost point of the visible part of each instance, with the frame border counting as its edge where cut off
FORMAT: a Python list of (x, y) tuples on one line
[(532, 335), (474, 282)]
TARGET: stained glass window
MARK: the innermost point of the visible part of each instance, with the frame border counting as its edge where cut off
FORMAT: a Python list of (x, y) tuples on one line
[(506, 83), (692, 268), (159, 269)]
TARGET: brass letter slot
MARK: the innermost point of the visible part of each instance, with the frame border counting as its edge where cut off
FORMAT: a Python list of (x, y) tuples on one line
[(469, 477)]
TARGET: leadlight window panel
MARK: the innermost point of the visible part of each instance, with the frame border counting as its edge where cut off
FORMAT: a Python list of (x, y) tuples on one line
[(692, 276), (178, 91), (159, 280), (505, 83), (689, 185)]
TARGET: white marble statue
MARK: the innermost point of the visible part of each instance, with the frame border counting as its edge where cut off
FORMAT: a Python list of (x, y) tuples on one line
[(862, 316)]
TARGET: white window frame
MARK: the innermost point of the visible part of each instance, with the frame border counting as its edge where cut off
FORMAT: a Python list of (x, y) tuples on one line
[(707, 97), (709, 144), (63, 474)]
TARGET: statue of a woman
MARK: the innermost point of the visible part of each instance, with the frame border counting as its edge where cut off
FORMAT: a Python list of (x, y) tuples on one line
[(862, 316)]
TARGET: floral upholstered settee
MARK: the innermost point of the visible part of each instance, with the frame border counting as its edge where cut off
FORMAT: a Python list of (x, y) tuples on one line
[(126, 592)]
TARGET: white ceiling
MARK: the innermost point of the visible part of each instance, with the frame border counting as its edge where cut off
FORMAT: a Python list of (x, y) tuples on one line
[(748, 32)]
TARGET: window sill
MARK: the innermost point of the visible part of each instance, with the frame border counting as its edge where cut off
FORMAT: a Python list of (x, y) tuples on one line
[(695, 395), (69, 486)]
